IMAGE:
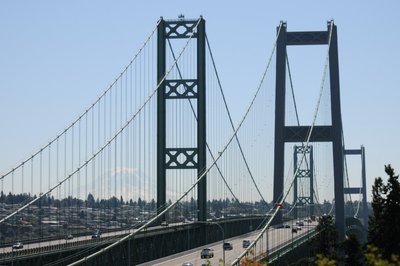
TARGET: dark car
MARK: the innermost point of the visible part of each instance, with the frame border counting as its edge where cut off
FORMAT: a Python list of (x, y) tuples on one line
[(245, 243), (96, 233), (227, 246), (69, 237), (207, 253)]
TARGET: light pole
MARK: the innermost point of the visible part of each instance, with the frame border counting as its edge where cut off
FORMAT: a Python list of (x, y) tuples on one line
[(223, 236)]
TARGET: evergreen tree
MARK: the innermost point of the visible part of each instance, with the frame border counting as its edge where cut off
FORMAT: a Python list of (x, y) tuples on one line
[(352, 250), (376, 222), (90, 200), (384, 225), (326, 241)]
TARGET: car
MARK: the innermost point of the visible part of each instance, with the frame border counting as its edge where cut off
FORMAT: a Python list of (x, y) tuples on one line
[(207, 253), (95, 236), (298, 228), (165, 223), (245, 243), (227, 246), (294, 230), (300, 223), (69, 237), (17, 245), (287, 226), (187, 264)]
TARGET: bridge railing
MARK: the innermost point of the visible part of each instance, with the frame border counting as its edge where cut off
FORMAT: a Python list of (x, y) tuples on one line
[(272, 254), (290, 245), (48, 249)]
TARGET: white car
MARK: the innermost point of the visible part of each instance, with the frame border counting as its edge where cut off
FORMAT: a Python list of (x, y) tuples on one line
[(17, 245)]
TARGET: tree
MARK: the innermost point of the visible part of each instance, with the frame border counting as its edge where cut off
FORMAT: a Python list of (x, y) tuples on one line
[(326, 241), (90, 200), (324, 261), (374, 257), (384, 225), (352, 250), (153, 205)]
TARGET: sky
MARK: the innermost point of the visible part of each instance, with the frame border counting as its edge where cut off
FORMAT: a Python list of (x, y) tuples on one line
[(56, 58)]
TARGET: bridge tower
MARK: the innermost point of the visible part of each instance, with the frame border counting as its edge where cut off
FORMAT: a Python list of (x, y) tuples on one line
[(360, 190), (181, 89), (332, 133), (307, 174)]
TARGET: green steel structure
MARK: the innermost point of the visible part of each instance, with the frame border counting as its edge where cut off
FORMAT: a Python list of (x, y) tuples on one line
[(194, 89)]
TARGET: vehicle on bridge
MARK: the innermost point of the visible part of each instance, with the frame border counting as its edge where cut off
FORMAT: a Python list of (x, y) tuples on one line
[(187, 264), (96, 233), (246, 243), (17, 245), (164, 223), (300, 223), (207, 253), (227, 246), (69, 237)]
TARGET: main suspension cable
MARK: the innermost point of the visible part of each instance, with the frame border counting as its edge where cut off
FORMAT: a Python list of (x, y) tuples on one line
[(113, 138), (88, 109), (204, 173), (279, 204), (208, 147), (231, 122)]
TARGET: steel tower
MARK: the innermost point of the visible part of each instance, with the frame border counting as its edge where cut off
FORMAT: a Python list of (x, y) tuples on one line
[(331, 133)]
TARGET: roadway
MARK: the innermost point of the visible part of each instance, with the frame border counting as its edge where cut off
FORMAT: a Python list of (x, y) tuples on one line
[(63, 241), (276, 238), (87, 239)]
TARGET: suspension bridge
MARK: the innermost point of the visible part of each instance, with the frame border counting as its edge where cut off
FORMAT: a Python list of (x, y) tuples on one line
[(156, 169)]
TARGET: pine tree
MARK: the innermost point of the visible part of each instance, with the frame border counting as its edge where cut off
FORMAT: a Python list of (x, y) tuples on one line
[(352, 250), (376, 222), (384, 226), (392, 214), (326, 241)]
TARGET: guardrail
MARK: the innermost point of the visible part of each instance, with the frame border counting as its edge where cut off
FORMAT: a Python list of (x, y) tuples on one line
[(279, 250), (66, 245), (49, 249), (290, 245)]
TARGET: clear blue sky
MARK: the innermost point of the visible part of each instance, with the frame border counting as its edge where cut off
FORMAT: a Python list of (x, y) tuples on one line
[(56, 57)]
